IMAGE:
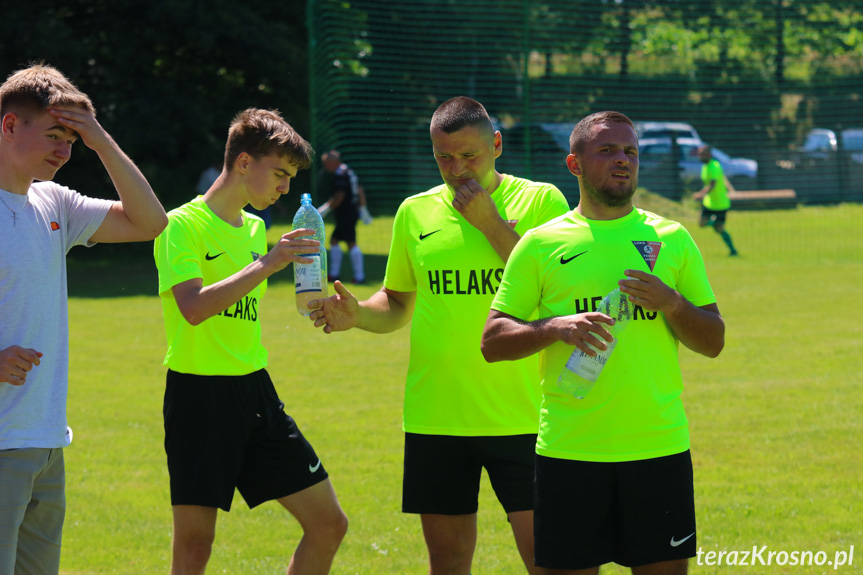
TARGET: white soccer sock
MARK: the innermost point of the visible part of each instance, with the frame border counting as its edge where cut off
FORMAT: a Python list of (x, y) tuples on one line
[(335, 261), (357, 262)]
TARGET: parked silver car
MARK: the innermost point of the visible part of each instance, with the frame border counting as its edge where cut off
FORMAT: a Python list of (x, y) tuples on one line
[(820, 144), (742, 172)]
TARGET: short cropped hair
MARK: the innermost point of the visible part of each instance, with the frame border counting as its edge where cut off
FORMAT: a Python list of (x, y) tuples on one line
[(334, 154), (581, 132), (39, 87), (461, 112), (260, 133)]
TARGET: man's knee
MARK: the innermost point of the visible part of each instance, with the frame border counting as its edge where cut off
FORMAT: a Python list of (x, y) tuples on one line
[(192, 552), (450, 542), (336, 528), (328, 531), (449, 556)]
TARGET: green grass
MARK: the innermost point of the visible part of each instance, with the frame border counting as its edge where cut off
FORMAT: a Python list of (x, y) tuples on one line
[(775, 420)]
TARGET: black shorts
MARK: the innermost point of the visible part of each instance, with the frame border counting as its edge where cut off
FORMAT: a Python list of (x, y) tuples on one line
[(713, 217), (632, 513), (442, 472), (346, 225), (223, 432)]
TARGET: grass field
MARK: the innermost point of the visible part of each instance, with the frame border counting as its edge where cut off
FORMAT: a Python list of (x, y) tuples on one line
[(775, 420)]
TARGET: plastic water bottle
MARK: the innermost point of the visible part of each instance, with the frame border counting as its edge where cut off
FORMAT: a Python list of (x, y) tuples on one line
[(581, 370), (310, 280)]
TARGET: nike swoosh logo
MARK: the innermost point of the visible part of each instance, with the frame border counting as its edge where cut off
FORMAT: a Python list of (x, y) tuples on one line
[(209, 257), (424, 236), (316, 466), (679, 543), (564, 261)]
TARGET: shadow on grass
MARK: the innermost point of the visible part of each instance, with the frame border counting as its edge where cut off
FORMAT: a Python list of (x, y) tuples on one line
[(128, 270)]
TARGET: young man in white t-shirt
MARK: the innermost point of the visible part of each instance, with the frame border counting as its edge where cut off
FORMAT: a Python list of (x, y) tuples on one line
[(41, 115)]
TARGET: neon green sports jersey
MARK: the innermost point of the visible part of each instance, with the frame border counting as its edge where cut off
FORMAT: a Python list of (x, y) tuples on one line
[(717, 199), (565, 267), (455, 272), (199, 244)]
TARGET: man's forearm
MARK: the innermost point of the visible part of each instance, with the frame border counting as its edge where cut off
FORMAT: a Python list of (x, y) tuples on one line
[(198, 303), (506, 338), (701, 329), (139, 203), (386, 311), (502, 238)]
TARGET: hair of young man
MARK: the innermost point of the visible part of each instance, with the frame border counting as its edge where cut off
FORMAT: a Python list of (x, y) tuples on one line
[(461, 112), (37, 88), (260, 133), (581, 133)]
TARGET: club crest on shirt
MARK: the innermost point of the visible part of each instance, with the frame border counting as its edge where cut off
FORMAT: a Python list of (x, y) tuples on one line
[(649, 251)]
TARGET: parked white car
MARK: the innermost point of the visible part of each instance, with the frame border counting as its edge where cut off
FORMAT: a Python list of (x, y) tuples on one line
[(742, 172), (650, 130)]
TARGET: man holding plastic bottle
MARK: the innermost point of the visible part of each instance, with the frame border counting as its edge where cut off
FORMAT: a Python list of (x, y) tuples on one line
[(225, 427), (613, 470)]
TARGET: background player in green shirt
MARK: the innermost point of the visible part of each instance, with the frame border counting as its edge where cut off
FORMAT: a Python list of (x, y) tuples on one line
[(714, 196), (613, 471), (445, 263), (225, 426)]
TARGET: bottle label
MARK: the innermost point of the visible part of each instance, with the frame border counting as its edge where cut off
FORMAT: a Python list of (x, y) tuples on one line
[(589, 367), (309, 277)]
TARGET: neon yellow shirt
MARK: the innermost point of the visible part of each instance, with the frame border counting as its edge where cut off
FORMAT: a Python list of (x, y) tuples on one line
[(717, 199), (455, 272), (634, 410), (199, 244)]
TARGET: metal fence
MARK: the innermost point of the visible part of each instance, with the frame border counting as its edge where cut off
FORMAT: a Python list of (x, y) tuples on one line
[(747, 76)]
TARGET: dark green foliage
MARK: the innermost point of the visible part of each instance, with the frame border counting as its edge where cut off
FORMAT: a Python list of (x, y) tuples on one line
[(166, 76)]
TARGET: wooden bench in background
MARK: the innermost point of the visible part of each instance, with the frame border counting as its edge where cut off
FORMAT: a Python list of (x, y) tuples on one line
[(762, 199)]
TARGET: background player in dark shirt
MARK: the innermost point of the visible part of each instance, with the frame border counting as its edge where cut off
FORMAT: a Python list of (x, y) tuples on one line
[(346, 199)]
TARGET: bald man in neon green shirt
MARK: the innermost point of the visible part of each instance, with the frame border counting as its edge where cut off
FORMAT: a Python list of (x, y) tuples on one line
[(613, 471)]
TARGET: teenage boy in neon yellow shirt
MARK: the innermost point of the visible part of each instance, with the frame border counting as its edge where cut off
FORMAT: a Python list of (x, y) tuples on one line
[(446, 259), (225, 426), (613, 471), (714, 197)]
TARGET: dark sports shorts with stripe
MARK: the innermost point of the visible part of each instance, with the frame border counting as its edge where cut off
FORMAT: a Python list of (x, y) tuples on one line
[(442, 472), (632, 513), (713, 216), (226, 432)]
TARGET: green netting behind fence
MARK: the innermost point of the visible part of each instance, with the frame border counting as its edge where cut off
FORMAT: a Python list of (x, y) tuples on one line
[(775, 82)]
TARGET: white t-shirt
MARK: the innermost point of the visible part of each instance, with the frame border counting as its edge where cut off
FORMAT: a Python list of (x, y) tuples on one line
[(49, 220)]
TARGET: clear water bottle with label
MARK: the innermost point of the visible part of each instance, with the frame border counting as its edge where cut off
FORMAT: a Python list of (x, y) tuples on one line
[(581, 370), (310, 280)]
